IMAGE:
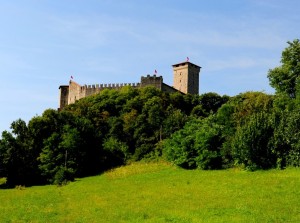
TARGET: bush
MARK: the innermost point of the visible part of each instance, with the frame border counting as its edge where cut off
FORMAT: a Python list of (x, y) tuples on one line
[(197, 145), (252, 143), (116, 153), (208, 145), (63, 176), (287, 138)]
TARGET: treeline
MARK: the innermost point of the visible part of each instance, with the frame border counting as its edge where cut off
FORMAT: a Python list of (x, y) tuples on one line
[(97, 133), (252, 130)]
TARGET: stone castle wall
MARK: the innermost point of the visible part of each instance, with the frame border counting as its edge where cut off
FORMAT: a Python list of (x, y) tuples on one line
[(74, 91), (186, 80)]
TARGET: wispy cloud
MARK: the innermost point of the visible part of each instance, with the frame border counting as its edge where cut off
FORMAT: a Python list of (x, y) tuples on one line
[(238, 63)]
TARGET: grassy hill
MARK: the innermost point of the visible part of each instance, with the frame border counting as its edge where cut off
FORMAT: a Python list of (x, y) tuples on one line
[(160, 192)]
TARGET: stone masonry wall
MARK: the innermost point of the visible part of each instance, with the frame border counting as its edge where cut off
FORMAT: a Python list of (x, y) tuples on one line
[(186, 80)]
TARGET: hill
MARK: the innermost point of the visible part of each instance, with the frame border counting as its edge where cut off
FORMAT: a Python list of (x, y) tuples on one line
[(159, 192)]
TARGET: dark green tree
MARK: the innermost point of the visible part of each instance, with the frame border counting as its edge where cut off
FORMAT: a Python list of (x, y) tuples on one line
[(19, 156), (211, 102)]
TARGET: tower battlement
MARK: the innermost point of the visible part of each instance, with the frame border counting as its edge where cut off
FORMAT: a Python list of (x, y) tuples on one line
[(154, 80)]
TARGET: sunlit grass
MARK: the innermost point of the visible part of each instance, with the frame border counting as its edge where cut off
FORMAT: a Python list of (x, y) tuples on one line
[(160, 192), (2, 181)]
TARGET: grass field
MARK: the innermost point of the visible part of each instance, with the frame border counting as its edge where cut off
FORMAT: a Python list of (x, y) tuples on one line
[(160, 193)]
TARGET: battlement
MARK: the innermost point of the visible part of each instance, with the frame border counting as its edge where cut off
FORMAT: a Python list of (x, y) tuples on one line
[(154, 80), (108, 86), (152, 77)]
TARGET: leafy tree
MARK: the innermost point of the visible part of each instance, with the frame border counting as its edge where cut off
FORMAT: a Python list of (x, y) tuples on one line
[(285, 79), (7, 145), (197, 145), (180, 149), (287, 138), (19, 156), (208, 145), (199, 111), (174, 120), (252, 143), (116, 151), (73, 147), (211, 102), (249, 103)]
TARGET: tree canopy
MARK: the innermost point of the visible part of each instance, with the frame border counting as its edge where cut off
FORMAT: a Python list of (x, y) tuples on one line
[(285, 78)]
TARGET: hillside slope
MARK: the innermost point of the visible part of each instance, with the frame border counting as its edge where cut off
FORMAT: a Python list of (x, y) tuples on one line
[(160, 192)]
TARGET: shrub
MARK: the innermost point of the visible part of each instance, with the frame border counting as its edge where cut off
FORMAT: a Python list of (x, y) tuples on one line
[(197, 145), (252, 142), (63, 176)]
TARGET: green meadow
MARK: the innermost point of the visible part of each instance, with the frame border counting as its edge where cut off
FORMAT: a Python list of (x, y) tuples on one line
[(160, 192)]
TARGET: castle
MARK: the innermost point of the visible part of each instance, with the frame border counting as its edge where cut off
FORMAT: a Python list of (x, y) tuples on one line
[(185, 74)]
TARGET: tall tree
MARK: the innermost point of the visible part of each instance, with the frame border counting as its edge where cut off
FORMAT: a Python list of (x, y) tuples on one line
[(18, 156), (285, 78)]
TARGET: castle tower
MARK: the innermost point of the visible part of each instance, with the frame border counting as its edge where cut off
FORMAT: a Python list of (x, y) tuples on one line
[(63, 96), (186, 77), (152, 81)]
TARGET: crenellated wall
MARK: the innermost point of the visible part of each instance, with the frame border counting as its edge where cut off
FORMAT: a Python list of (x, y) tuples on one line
[(70, 94)]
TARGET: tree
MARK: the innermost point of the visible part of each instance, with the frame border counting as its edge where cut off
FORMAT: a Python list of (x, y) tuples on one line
[(287, 138), (179, 148), (197, 145), (211, 102), (18, 156), (116, 151), (285, 78), (252, 143)]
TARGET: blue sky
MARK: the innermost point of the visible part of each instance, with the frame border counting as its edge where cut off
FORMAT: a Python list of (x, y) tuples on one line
[(44, 42)]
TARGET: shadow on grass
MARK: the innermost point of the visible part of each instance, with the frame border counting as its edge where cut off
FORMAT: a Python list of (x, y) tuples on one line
[(11, 184)]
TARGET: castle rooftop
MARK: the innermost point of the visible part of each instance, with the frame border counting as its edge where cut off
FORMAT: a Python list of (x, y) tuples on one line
[(184, 63)]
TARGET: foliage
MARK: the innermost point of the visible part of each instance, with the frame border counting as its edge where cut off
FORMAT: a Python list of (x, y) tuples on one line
[(63, 175), (285, 79), (197, 145), (252, 142), (116, 150), (97, 133), (71, 148), (18, 156), (287, 138)]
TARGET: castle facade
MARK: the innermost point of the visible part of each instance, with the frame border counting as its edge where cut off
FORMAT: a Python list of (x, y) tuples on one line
[(186, 80)]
